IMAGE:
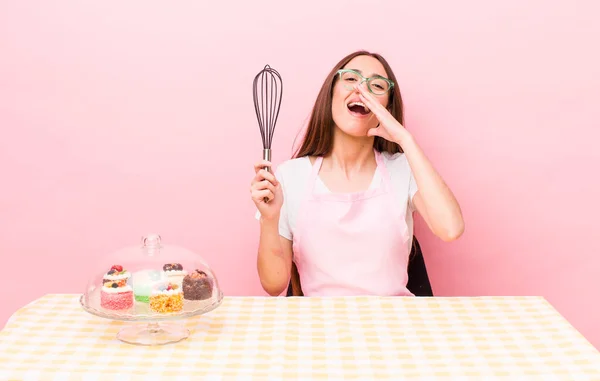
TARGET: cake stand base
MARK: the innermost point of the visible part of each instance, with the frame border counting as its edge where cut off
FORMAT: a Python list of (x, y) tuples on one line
[(153, 334)]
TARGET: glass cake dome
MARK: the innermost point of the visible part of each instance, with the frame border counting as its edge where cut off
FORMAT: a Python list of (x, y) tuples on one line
[(151, 282)]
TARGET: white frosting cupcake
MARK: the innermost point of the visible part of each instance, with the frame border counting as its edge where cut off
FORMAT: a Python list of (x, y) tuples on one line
[(174, 273), (116, 277)]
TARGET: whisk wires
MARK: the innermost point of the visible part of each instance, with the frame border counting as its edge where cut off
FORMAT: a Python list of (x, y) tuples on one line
[(268, 90)]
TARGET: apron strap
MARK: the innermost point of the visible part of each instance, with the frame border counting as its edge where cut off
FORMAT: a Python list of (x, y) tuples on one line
[(315, 170)]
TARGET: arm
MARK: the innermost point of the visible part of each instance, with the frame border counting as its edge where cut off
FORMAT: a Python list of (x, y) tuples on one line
[(434, 201), (274, 257)]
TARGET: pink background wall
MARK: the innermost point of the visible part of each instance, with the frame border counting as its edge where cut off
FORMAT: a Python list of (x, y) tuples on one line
[(114, 119)]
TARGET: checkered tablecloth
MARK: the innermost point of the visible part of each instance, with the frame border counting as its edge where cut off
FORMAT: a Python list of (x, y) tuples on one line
[(265, 338)]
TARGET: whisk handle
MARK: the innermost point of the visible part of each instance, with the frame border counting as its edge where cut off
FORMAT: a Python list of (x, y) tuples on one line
[(267, 157)]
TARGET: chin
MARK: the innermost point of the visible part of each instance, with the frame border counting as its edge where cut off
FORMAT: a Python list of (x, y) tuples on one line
[(356, 130), (355, 133), (355, 126)]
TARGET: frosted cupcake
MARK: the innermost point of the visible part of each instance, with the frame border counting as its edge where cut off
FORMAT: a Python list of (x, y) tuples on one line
[(174, 273), (143, 283), (166, 297), (116, 294)]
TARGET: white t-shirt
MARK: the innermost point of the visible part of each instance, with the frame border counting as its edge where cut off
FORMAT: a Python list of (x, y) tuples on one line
[(293, 175)]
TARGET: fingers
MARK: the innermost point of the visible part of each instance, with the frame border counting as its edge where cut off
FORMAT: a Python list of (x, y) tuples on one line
[(373, 132), (262, 174), (261, 195), (261, 165), (262, 185), (369, 100), (362, 88), (263, 182), (373, 105)]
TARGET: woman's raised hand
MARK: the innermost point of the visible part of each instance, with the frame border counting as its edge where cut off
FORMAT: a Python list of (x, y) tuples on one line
[(266, 191)]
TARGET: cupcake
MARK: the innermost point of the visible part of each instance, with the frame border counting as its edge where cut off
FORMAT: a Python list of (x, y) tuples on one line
[(166, 297), (197, 286), (175, 273), (116, 294), (143, 283)]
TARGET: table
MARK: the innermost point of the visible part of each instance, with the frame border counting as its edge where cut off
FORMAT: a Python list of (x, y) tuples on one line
[(278, 338)]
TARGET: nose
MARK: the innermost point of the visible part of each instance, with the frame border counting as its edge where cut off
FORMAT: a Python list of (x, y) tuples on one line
[(355, 89)]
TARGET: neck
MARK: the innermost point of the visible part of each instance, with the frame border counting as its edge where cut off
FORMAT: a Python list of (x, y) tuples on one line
[(352, 153)]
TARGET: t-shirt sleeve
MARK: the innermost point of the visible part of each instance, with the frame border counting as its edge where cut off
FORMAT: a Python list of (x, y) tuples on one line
[(284, 223), (412, 189)]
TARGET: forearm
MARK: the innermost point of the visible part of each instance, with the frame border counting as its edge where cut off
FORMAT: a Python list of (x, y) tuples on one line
[(273, 264), (442, 209)]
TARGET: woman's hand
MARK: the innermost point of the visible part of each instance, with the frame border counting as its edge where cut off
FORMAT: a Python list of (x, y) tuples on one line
[(434, 200), (265, 185), (388, 128)]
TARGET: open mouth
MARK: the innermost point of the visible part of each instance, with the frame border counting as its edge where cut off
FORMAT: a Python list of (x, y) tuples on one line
[(358, 109)]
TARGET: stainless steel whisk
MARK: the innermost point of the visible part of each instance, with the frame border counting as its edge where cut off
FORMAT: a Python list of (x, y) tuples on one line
[(268, 91)]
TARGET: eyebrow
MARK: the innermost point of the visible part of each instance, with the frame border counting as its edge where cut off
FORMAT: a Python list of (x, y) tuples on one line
[(372, 75)]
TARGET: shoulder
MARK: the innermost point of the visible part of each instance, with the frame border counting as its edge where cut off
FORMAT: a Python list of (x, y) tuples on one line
[(401, 175), (293, 167), (396, 161), (293, 172)]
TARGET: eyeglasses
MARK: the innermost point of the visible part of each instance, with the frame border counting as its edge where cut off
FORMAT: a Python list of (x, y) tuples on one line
[(377, 84)]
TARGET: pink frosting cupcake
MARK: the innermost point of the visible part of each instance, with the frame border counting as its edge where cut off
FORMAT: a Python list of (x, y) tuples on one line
[(116, 294)]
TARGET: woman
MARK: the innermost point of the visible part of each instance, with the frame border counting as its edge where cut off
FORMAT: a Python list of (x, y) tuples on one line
[(341, 210)]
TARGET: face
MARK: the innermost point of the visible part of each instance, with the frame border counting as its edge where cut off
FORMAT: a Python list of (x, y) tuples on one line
[(349, 114)]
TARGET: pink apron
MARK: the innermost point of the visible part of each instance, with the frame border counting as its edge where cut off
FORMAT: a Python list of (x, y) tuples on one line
[(352, 243)]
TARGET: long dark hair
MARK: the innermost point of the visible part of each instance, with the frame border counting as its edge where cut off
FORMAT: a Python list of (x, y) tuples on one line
[(318, 139)]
